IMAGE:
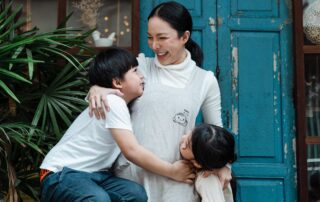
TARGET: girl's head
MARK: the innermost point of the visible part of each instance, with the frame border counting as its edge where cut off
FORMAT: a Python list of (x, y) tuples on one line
[(117, 68), (169, 33), (208, 147)]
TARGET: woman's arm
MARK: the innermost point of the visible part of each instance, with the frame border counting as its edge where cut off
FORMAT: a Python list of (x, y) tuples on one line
[(211, 110), (134, 152), (97, 95), (211, 107)]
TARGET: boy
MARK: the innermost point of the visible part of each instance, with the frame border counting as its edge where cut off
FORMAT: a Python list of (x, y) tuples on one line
[(209, 147), (77, 167)]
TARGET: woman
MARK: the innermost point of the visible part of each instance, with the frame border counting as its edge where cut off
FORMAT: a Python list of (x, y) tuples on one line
[(175, 91)]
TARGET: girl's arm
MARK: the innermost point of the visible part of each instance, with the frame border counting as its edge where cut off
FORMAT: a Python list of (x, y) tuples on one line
[(134, 152)]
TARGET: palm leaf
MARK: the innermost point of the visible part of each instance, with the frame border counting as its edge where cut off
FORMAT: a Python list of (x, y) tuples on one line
[(59, 101), (13, 75), (8, 91)]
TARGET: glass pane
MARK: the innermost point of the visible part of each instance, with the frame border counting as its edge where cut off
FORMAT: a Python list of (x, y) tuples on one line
[(312, 73), (311, 21), (112, 16), (40, 13), (312, 78), (314, 172)]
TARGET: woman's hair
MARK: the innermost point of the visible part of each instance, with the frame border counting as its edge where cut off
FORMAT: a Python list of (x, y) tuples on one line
[(110, 64), (179, 19), (212, 146)]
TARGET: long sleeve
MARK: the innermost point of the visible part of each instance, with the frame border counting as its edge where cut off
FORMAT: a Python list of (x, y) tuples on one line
[(211, 107), (210, 189)]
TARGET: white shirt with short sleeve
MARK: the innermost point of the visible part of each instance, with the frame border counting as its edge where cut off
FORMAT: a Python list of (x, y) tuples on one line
[(88, 144)]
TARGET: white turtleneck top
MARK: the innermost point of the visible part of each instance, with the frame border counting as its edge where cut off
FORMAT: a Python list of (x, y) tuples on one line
[(178, 75)]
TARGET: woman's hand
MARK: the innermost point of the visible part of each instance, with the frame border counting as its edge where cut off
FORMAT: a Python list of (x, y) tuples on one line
[(96, 95), (224, 175), (183, 171)]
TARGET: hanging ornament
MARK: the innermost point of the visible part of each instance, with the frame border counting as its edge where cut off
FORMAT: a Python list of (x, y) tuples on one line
[(311, 22)]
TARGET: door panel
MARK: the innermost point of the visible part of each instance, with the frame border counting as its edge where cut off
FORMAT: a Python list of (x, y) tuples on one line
[(256, 96), (264, 190), (261, 9)]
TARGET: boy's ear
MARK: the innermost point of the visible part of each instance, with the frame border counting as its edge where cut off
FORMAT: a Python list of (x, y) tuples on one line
[(116, 83)]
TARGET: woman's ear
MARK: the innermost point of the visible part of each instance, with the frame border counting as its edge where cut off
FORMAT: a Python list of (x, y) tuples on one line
[(185, 37), (116, 83)]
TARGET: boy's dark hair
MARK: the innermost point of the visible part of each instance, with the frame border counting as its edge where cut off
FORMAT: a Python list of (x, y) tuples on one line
[(212, 146), (110, 64)]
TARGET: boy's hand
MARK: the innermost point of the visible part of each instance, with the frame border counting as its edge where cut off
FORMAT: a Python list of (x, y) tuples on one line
[(224, 175), (96, 95), (183, 171)]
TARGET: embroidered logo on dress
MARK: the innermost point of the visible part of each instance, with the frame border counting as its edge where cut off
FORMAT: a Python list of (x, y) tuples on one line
[(181, 118)]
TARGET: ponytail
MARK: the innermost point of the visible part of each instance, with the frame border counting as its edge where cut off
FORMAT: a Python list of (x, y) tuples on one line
[(196, 52)]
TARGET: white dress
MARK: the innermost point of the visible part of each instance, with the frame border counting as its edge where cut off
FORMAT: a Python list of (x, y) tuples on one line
[(171, 101)]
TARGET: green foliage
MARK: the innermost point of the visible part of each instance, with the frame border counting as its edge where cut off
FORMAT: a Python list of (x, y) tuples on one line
[(43, 77)]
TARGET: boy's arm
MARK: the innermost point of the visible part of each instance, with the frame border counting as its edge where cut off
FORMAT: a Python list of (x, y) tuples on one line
[(134, 152)]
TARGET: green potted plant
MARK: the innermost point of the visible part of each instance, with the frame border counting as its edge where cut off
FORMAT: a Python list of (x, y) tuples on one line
[(42, 86)]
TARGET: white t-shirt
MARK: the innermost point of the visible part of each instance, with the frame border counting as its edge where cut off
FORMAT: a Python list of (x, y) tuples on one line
[(88, 144)]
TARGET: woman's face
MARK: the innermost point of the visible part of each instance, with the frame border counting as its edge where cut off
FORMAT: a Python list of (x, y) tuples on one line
[(165, 42)]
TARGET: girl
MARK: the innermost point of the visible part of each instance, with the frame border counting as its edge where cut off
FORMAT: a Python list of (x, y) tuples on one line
[(209, 147)]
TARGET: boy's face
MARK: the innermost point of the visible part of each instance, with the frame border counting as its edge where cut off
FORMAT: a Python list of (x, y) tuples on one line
[(186, 149), (132, 84)]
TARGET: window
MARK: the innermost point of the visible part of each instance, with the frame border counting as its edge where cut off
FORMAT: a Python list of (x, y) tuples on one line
[(117, 21), (307, 60)]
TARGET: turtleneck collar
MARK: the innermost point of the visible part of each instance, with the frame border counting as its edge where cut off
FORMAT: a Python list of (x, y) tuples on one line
[(186, 63), (176, 75)]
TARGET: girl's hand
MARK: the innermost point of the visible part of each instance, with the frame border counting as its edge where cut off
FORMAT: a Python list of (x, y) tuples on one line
[(224, 175), (96, 95), (183, 171)]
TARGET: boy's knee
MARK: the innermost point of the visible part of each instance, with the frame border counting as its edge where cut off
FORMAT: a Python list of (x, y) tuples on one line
[(95, 197), (137, 193)]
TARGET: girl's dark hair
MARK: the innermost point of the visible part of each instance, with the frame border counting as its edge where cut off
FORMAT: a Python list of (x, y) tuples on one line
[(212, 146), (179, 19), (110, 64)]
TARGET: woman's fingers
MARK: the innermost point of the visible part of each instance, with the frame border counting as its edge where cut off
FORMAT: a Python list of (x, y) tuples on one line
[(95, 106), (188, 181), (98, 100), (224, 175)]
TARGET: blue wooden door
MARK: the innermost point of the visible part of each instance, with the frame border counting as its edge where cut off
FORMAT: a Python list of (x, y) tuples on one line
[(255, 48), (249, 43)]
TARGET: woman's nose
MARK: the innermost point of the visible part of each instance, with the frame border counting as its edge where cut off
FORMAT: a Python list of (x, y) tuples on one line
[(155, 45)]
